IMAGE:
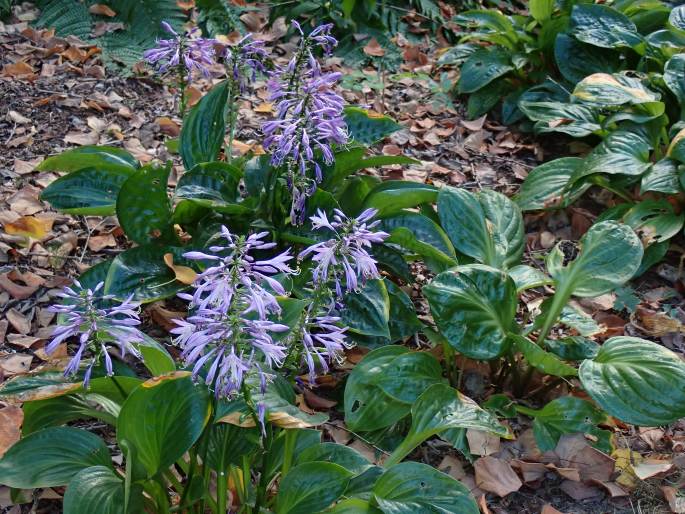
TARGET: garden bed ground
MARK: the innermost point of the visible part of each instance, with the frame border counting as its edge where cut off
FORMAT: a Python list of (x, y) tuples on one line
[(55, 95)]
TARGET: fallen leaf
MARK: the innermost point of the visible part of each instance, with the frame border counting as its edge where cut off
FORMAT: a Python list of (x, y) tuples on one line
[(476, 124), (482, 443), (30, 227), (548, 509), (16, 364), (136, 148), (574, 451), (184, 274), (317, 402), (580, 491), (17, 69), (650, 468), (25, 167), (11, 418), (21, 323), (453, 467), (81, 139), (675, 500), (168, 126), (651, 435), (530, 471), (17, 291), (25, 202), (102, 10), (22, 340), (373, 48), (97, 243), (164, 317), (496, 476), (15, 117), (265, 107)]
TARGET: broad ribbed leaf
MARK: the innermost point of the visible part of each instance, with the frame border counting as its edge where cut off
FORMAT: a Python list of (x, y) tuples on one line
[(474, 308), (546, 362), (603, 26), (527, 277), (339, 454), (482, 67), (173, 411), (98, 157), (311, 487), (674, 77), (486, 226), (677, 18), (412, 488), (392, 196), (408, 376), (51, 457), (367, 312), (546, 186), (636, 381), (603, 89), (661, 178), (654, 221), (367, 127), (87, 191), (143, 207), (577, 60), (541, 10), (354, 506), (573, 119), (610, 254), (573, 348), (676, 150), (204, 128), (99, 489)]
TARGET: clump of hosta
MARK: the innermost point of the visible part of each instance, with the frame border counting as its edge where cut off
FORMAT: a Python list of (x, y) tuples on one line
[(96, 328), (309, 118)]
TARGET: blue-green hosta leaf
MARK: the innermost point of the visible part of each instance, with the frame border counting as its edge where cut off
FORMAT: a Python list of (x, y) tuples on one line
[(403, 321), (546, 362), (413, 487), (367, 127), (474, 308), (568, 415), (52, 457), (391, 196), (577, 60), (354, 506), (573, 119), (481, 68), (676, 150), (486, 226), (547, 186), (573, 348), (143, 208), (367, 312), (99, 489), (636, 381), (610, 254), (674, 77), (603, 89), (654, 221), (662, 177), (204, 128), (98, 157), (526, 277), (603, 26), (677, 18), (311, 487), (339, 454)]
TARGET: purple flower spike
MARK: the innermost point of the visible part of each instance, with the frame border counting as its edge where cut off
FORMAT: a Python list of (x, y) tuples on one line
[(309, 118), (186, 52), (245, 60), (228, 329), (97, 328)]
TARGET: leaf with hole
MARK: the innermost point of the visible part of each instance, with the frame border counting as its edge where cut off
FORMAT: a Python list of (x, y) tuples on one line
[(481, 68)]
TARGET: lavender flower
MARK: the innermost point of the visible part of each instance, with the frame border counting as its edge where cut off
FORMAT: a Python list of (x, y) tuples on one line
[(309, 117), (233, 298), (95, 327), (244, 60), (183, 52), (346, 254), (323, 340)]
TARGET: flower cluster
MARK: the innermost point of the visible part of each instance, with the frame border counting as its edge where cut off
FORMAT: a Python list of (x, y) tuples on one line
[(229, 327), (346, 254), (187, 52), (244, 60), (309, 117), (96, 326)]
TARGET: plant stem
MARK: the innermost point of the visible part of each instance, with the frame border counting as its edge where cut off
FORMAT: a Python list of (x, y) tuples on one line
[(405, 448)]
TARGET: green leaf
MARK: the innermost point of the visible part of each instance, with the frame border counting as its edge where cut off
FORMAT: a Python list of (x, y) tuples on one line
[(573, 119), (311, 487), (546, 362), (573, 348), (59, 411), (204, 128), (636, 381), (391, 196), (568, 415), (676, 150), (367, 312), (541, 10), (51, 457), (354, 506), (677, 18), (155, 357), (654, 221), (546, 186), (403, 321), (143, 207), (367, 127), (424, 229), (600, 25), (141, 271), (662, 177), (87, 191), (339, 454), (674, 77), (412, 488), (229, 443), (436, 260), (603, 89), (486, 98), (474, 308), (573, 317), (481, 68), (526, 277), (577, 60), (610, 254), (98, 157), (486, 226), (441, 408), (408, 376), (98, 489), (171, 427)]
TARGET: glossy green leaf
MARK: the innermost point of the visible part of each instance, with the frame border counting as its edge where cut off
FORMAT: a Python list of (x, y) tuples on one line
[(662, 177), (546, 186), (441, 408), (541, 10), (51, 457), (654, 221), (212, 185), (98, 157), (573, 348), (155, 357), (577, 60), (99, 489), (367, 312), (311, 487), (486, 98), (339, 454), (482, 67), (229, 443), (141, 271), (353, 159), (87, 191), (367, 127), (603, 26), (403, 321), (603, 89), (526, 277), (677, 18), (486, 226), (676, 150), (474, 308), (171, 427), (392, 196), (435, 259), (204, 128), (143, 207), (636, 381), (408, 376), (574, 317), (59, 411), (413, 487), (674, 77), (568, 415), (544, 361), (610, 254), (354, 506), (576, 120)]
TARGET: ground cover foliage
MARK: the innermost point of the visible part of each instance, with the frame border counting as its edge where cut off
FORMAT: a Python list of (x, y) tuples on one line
[(308, 303)]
